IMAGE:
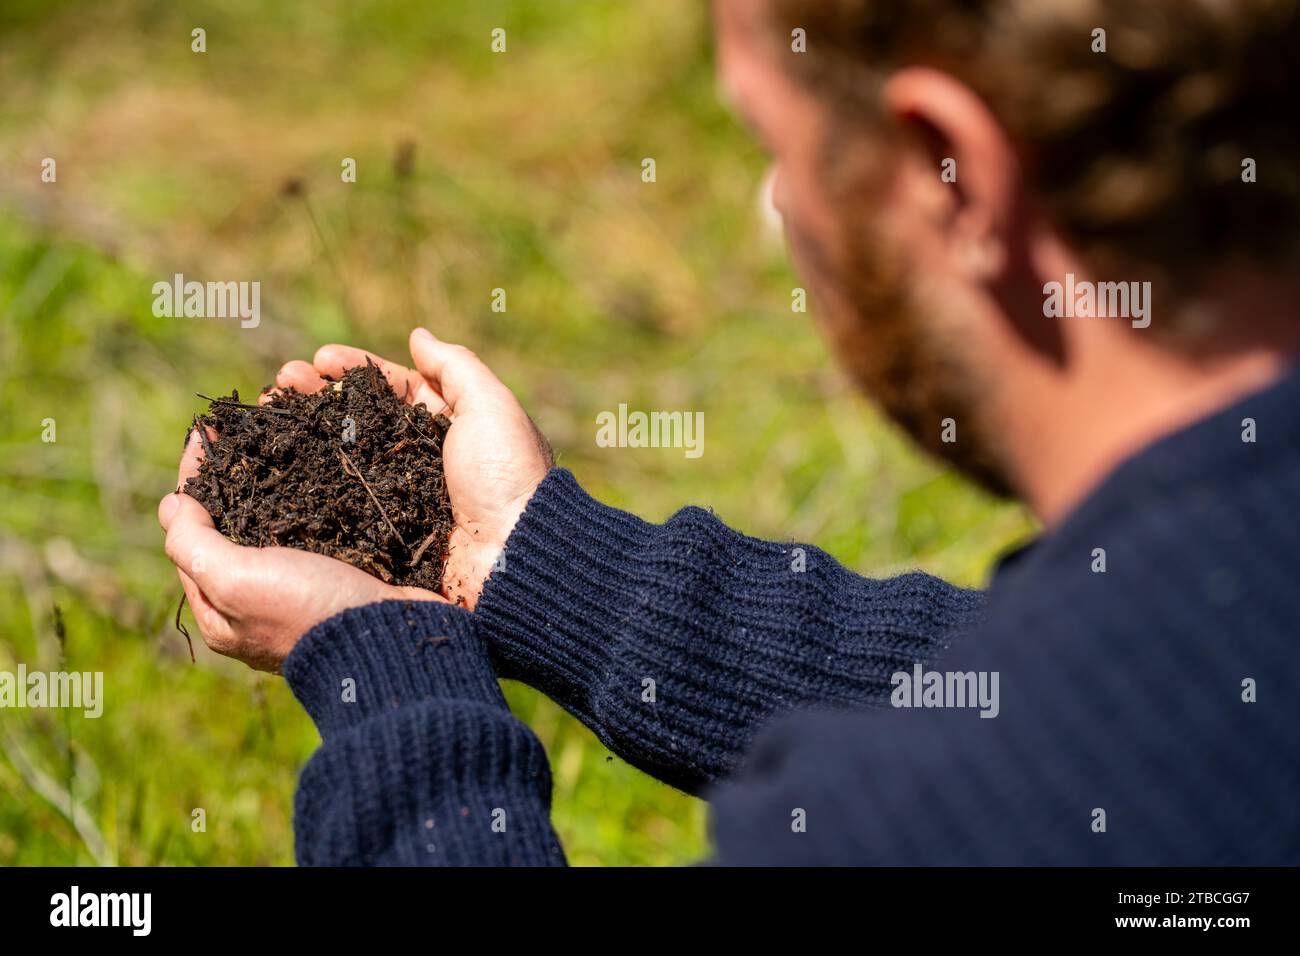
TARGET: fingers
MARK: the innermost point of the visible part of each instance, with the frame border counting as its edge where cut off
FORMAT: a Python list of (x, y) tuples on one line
[(455, 372), (192, 457), (170, 510), (300, 375), (194, 544), (333, 360), (404, 593), (215, 630), (199, 602)]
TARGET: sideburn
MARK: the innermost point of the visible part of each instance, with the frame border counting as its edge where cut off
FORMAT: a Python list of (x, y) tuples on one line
[(900, 354)]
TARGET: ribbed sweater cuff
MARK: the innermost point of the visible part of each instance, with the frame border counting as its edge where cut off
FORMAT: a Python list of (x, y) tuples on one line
[(380, 657), (549, 610)]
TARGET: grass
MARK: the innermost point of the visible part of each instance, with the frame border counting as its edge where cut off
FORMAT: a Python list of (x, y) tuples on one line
[(521, 172)]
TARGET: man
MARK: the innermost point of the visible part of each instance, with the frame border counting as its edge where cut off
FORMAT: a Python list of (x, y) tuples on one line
[(1064, 233)]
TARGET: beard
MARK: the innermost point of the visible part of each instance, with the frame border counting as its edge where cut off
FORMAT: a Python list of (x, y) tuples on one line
[(900, 341)]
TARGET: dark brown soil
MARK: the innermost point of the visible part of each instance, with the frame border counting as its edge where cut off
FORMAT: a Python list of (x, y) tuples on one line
[(293, 473)]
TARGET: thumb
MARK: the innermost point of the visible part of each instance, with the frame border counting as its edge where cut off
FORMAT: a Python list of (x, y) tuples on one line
[(455, 372)]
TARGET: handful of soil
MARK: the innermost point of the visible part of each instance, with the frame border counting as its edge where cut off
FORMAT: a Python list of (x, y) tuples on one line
[(351, 471)]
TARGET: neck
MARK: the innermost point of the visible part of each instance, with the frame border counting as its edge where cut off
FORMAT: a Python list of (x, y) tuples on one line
[(1070, 424)]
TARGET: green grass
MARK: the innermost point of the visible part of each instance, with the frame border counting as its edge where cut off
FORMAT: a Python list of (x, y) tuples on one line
[(526, 176)]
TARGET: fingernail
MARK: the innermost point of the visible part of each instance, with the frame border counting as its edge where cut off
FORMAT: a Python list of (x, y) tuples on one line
[(424, 333), (167, 509)]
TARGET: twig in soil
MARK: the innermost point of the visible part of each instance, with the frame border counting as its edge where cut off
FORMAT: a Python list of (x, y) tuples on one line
[(255, 408), (356, 472), (395, 449), (424, 546), (418, 430), (207, 456), (181, 627), (203, 437)]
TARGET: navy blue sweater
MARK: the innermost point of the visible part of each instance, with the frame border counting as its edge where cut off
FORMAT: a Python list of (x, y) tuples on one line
[(1147, 678)]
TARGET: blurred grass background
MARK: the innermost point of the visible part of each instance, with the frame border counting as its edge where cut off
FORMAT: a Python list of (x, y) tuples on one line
[(476, 171)]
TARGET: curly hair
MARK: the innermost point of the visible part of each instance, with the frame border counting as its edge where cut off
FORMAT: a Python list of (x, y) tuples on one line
[(1136, 152)]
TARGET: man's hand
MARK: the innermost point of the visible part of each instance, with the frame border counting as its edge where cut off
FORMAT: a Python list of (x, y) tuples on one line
[(254, 604), (494, 456)]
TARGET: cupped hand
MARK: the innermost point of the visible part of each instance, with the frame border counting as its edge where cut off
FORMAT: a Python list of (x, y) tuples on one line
[(254, 604), (494, 457)]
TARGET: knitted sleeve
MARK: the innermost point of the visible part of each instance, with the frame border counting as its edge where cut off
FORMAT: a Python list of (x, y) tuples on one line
[(421, 762), (676, 642)]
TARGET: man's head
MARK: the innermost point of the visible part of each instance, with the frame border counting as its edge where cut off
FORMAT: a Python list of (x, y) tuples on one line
[(937, 162)]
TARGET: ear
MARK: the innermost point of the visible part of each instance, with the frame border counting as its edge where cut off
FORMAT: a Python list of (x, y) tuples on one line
[(984, 212), (955, 130)]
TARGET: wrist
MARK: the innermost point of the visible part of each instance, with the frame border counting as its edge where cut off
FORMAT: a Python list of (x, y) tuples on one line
[(381, 657), (562, 581)]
